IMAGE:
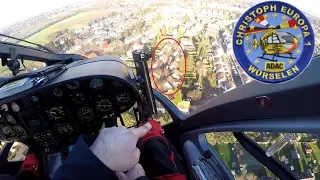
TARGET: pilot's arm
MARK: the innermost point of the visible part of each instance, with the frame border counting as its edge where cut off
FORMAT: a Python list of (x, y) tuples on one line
[(113, 152)]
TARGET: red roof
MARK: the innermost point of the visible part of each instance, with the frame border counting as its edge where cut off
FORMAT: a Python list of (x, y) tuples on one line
[(244, 77), (105, 44), (309, 150), (157, 72), (219, 66), (221, 76), (158, 63), (91, 55), (241, 70), (171, 80)]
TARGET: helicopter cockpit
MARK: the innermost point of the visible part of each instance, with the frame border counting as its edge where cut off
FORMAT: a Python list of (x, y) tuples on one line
[(221, 123)]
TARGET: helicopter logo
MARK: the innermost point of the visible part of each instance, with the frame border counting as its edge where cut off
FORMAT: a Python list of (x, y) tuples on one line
[(273, 42)]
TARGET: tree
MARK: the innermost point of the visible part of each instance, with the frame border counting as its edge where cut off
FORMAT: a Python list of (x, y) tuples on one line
[(195, 95), (220, 137), (269, 173), (212, 79), (203, 47), (170, 29), (190, 64), (182, 65), (159, 37), (180, 32)]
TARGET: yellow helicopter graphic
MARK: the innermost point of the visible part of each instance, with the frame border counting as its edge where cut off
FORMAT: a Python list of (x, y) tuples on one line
[(273, 42)]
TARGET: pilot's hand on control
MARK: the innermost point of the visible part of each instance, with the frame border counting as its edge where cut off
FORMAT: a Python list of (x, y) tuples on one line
[(116, 147), (133, 173)]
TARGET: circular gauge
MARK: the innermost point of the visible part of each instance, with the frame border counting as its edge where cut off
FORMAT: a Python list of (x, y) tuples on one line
[(104, 105), (10, 119), (57, 92), (123, 97), (34, 99), (20, 131), (73, 85), (65, 129), (15, 107), (4, 107), (96, 83), (7, 131), (85, 113), (78, 98), (56, 113)]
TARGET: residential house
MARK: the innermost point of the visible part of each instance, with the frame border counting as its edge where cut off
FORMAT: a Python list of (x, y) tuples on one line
[(78, 41), (157, 73), (164, 58), (221, 78), (132, 39), (129, 53), (307, 148), (91, 54), (166, 72), (308, 151), (167, 86), (176, 74), (229, 86), (245, 78), (177, 58), (220, 68), (176, 53), (184, 106), (167, 47), (306, 176), (104, 44), (173, 65), (241, 70), (173, 82), (137, 45), (217, 60), (187, 43), (157, 64)]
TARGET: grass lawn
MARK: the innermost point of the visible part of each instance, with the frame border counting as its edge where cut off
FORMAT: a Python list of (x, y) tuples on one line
[(177, 97), (75, 22), (303, 158), (316, 151), (224, 152)]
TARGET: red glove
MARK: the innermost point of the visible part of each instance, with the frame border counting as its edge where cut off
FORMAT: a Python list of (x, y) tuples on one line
[(31, 164), (156, 131)]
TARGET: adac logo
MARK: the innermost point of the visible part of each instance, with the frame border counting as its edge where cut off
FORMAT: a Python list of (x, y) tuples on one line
[(273, 42)]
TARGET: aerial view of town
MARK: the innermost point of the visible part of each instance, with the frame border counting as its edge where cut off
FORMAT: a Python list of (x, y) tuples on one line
[(193, 62)]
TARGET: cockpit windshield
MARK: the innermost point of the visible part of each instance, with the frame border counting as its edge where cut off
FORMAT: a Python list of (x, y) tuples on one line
[(191, 40)]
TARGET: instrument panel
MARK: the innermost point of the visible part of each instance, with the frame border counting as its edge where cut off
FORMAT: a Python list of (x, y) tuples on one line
[(59, 114)]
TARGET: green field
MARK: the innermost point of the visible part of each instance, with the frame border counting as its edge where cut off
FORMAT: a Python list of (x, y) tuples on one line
[(224, 152), (177, 97), (75, 22)]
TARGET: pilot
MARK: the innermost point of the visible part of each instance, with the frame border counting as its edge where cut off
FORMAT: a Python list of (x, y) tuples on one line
[(116, 153)]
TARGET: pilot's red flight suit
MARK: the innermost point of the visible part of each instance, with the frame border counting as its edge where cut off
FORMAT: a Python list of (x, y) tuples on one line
[(156, 158)]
